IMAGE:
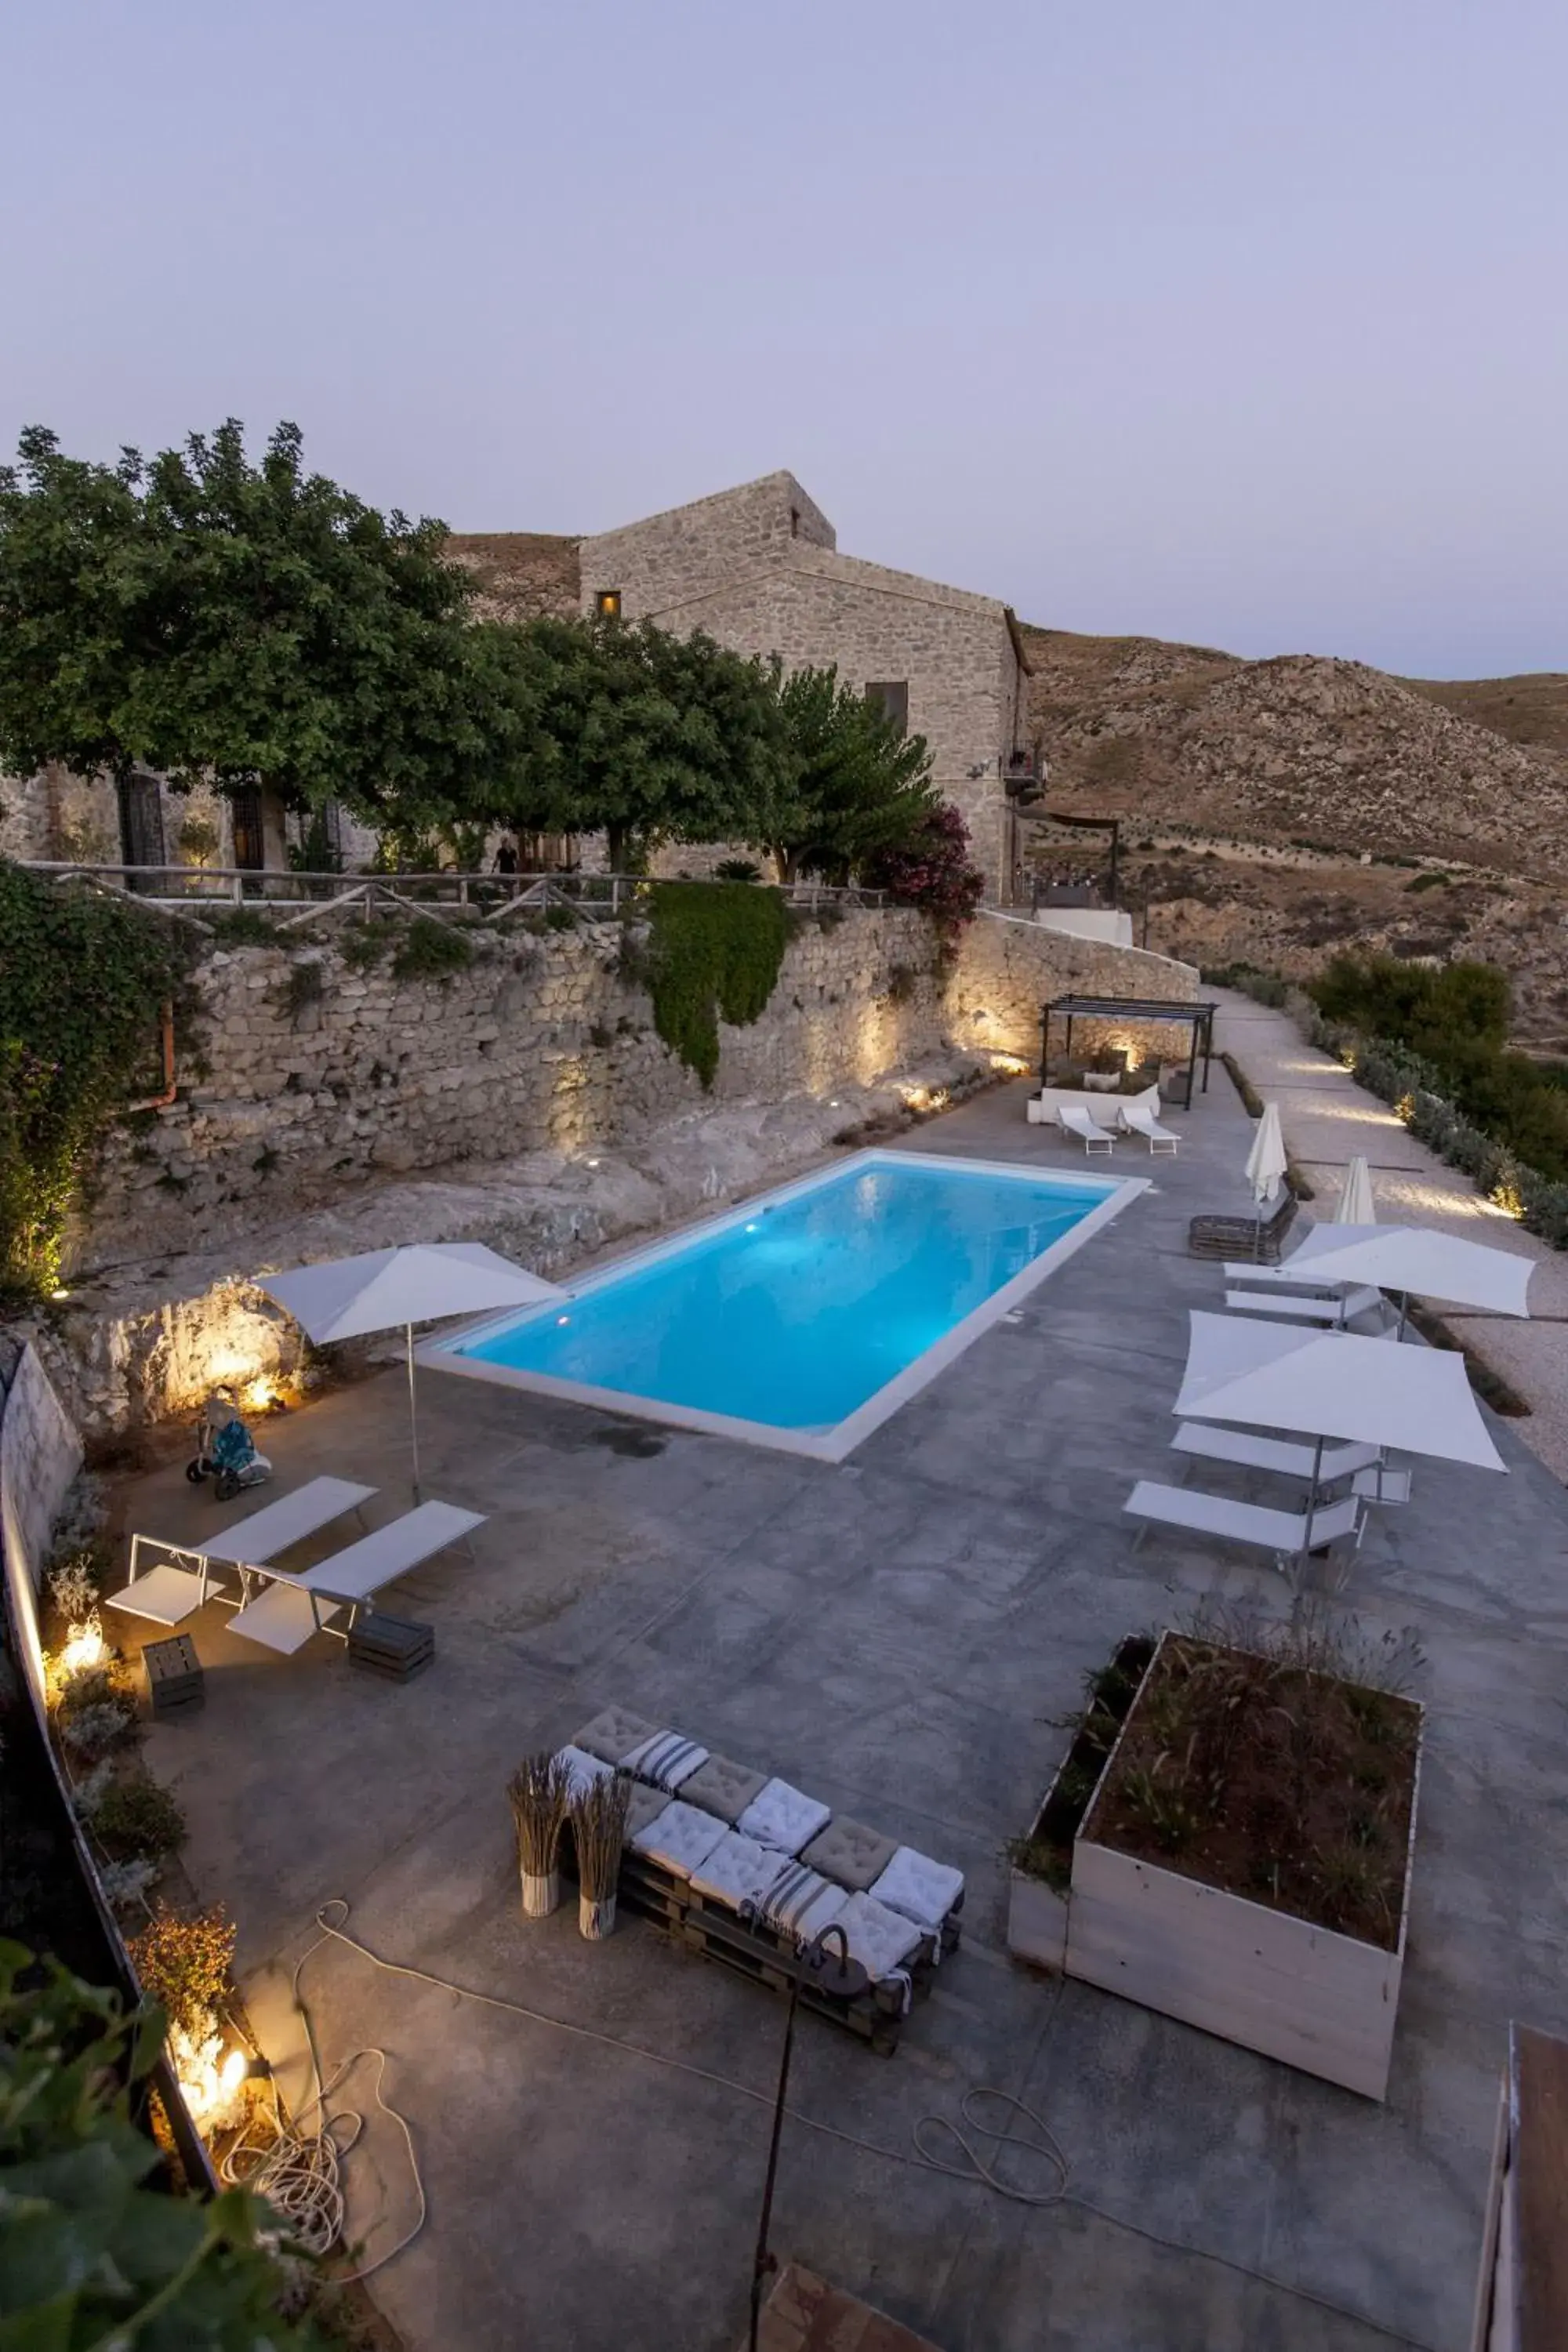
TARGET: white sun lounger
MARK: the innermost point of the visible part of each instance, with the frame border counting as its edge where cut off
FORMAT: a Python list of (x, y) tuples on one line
[(169, 1582), (1280, 1532), (1212, 1442), (1283, 1307), (1133, 1120), (292, 1608), (1084, 1125), (1278, 1277)]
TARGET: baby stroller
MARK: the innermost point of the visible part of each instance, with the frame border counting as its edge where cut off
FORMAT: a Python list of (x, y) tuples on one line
[(225, 1451)]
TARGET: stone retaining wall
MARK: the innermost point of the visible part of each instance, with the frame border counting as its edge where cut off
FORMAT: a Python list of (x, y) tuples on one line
[(1010, 966), (321, 1079)]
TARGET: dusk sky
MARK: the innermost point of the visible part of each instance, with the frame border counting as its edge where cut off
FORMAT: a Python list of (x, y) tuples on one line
[(1240, 323)]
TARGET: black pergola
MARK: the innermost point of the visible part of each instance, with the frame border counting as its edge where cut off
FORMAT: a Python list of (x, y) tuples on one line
[(1197, 1017)]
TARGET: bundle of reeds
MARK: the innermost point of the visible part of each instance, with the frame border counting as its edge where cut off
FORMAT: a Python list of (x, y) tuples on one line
[(540, 1794), (599, 1832)]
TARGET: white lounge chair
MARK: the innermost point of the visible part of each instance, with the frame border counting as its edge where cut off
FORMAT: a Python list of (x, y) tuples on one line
[(1086, 1126), (292, 1608), (1278, 1277), (1133, 1120), (1282, 1307), (169, 1582), (1210, 1442), (1283, 1533)]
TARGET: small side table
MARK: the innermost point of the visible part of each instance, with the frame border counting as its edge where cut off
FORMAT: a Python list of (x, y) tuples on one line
[(175, 1684)]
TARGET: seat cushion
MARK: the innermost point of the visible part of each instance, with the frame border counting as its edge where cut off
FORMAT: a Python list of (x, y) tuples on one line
[(737, 1870), (849, 1854), (613, 1734), (879, 1938), (722, 1787), (679, 1837), (784, 1816), (923, 1890)]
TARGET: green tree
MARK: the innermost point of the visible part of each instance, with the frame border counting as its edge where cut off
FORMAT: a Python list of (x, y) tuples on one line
[(629, 730), (209, 616), (858, 785)]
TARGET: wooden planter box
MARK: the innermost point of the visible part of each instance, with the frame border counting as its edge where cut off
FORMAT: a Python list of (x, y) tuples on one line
[(1315, 1999), (1037, 1911)]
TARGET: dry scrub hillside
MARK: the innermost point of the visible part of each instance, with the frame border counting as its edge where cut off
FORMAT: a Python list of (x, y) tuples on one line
[(1306, 748)]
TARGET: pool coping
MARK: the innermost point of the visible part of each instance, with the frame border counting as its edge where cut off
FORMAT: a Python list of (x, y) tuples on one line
[(836, 1444)]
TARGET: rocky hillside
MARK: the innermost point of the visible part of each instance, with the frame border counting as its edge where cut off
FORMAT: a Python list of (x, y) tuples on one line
[(1306, 749)]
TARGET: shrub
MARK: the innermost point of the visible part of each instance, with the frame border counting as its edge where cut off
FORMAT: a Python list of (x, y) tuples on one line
[(135, 1819), (364, 945), (736, 869), (183, 1963), (242, 927), (932, 870), (431, 950)]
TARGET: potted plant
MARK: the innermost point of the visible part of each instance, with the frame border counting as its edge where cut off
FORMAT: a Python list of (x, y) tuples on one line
[(1245, 1861), (541, 1791), (599, 1833)]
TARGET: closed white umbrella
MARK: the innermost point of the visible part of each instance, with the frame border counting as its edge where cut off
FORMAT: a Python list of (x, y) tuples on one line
[(1416, 1258), (1355, 1207), (1266, 1162), (419, 1283), (1324, 1384)]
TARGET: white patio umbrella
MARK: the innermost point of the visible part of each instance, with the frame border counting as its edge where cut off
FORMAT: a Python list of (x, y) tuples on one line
[(1324, 1384), (1266, 1162), (1416, 1258), (1355, 1207), (418, 1282)]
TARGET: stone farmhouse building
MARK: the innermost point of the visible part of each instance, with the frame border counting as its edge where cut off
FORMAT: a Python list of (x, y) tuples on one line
[(758, 568)]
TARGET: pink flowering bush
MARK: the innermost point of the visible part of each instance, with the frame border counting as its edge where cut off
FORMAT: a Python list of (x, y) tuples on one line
[(932, 870)]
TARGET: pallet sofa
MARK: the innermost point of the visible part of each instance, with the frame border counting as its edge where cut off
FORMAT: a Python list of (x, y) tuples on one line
[(740, 1867)]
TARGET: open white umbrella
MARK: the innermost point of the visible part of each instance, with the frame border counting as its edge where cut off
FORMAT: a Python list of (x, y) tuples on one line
[(1266, 1162), (1416, 1258), (1355, 1206), (1323, 1384), (418, 1282)]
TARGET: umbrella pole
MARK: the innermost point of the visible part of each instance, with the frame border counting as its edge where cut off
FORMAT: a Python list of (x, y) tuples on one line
[(413, 1415), (1404, 1313), (1311, 1507)]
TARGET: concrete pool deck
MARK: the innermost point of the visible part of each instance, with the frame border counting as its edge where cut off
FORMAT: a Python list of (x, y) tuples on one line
[(896, 1633)]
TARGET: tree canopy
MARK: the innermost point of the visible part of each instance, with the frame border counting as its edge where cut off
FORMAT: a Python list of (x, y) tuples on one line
[(205, 616), (857, 784), (210, 617)]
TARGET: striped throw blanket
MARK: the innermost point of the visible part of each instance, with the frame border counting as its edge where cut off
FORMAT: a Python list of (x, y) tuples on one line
[(668, 1759)]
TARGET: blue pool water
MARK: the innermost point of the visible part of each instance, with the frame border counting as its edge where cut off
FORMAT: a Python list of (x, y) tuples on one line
[(797, 1314)]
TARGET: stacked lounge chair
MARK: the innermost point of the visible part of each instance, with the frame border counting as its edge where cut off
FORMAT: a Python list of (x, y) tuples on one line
[(747, 1870)]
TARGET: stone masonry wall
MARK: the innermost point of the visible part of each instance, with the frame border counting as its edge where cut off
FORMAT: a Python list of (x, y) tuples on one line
[(667, 558), (1009, 967), (735, 566), (321, 1078)]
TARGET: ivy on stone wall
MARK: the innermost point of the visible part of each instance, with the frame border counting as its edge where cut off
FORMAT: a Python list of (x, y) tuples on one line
[(82, 977), (716, 950)]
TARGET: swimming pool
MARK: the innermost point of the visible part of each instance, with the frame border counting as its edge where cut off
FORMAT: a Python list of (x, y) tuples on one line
[(804, 1319)]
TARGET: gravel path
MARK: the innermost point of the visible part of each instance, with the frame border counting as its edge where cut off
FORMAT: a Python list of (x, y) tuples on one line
[(1328, 1119)]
